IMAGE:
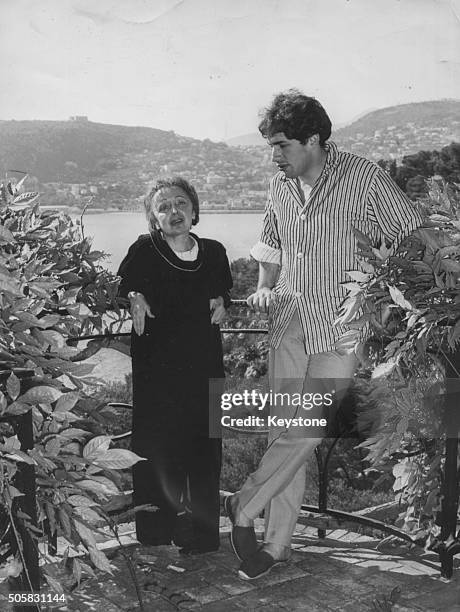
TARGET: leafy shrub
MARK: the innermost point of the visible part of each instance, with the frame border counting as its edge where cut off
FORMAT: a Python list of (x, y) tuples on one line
[(115, 421), (241, 456), (244, 273), (52, 287), (341, 496), (410, 300)]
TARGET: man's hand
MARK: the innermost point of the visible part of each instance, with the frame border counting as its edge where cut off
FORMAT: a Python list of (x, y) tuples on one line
[(217, 308), (139, 310), (261, 299)]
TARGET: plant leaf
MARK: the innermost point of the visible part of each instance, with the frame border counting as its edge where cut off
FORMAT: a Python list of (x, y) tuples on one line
[(11, 570), (85, 533), (357, 275), (117, 459), (81, 500), (54, 338), (6, 235), (97, 446), (54, 584), (13, 386), (399, 299), (101, 490), (100, 560), (41, 394), (67, 401), (17, 408), (383, 369)]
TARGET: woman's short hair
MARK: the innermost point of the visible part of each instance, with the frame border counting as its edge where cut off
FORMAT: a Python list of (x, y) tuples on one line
[(297, 116), (175, 181)]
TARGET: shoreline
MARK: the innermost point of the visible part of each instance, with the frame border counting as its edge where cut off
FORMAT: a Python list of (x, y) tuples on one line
[(98, 211)]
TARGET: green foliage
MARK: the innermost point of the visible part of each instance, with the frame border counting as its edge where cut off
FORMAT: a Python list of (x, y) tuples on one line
[(115, 420), (117, 391), (241, 456), (245, 274), (413, 170), (52, 287), (245, 355), (343, 496), (410, 300), (246, 361)]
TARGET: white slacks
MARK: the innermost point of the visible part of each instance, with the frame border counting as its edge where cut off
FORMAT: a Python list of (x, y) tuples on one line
[(278, 484)]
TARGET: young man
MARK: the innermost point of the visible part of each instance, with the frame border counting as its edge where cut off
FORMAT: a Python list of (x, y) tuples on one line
[(307, 244)]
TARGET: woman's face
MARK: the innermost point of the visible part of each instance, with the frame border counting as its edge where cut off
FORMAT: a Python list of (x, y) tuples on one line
[(172, 210)]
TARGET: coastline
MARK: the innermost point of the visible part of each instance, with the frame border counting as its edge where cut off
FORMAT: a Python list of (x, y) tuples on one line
[(98, 211), (233, 211)]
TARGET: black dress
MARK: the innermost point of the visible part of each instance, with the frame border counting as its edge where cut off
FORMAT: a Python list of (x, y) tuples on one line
[(172, 363)]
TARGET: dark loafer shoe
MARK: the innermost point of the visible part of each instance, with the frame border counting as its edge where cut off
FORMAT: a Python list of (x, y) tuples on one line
[(258, 565), (242, 539)]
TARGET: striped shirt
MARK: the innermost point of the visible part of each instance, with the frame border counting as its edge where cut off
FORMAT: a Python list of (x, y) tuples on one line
[(314, 242)]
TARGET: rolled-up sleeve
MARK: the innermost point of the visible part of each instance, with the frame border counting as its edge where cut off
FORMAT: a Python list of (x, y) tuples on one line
[(391, 210), (268, 249)]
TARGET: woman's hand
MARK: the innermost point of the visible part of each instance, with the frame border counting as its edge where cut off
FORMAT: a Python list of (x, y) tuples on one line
[(217, 308), (139, 310)]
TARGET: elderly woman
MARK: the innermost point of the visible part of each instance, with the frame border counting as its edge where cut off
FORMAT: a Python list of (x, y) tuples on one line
[(178, 286)]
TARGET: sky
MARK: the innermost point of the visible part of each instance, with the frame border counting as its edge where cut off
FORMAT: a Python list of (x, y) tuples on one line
[(204, 68)]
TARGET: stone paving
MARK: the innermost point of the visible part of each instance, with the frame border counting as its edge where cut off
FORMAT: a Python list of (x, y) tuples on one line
[(344, 572)]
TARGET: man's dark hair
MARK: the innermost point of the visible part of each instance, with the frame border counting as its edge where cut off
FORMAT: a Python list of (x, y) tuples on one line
[(175, 181), (297, 115)]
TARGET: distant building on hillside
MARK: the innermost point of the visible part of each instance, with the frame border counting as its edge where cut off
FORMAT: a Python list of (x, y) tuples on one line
[(75, 189), (215, 179), (80, 118)]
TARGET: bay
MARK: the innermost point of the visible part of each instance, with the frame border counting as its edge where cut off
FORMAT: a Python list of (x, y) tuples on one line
[(114, 232)]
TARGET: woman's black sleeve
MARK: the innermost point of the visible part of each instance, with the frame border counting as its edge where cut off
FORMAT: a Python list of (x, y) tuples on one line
[(224, 276), (130, 271)]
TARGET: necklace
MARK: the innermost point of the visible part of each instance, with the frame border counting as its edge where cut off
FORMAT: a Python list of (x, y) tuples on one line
[(184, 269)]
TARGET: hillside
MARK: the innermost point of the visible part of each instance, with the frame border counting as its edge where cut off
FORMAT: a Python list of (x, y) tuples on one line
[(255, 139), (75, 151), (392, 132), (72, 160)]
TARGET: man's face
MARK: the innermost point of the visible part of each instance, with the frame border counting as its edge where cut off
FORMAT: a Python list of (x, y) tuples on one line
[(292, 157)]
